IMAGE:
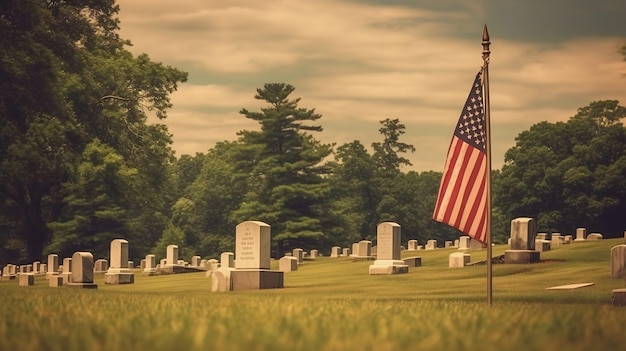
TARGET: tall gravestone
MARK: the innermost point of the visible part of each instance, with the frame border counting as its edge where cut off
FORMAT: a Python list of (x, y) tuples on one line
[(67, 270), (618, 262), (171, 255), (150, 265), (388, 260), (252, 258), (354, 250), (581, 234), (298, 254), (82, 271), (36, 267), (523, 234), (53, 265), (227, 259), (335, 251), (119, 272), (412, 244), (464, 242)]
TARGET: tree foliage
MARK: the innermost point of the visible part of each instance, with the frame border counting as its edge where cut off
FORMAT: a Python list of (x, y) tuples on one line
[(569, 174), (66, 81), (287, 170)]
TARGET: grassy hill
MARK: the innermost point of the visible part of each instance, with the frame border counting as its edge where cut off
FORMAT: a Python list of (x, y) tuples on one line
[(334, 304)]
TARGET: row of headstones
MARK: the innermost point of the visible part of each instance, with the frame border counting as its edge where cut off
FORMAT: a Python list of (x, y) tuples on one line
[(364, 248), (76, 271), (149, 266), (541, 242), (79, 270)]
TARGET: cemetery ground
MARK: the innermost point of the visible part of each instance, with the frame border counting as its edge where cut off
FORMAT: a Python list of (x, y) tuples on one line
[(334, 304)]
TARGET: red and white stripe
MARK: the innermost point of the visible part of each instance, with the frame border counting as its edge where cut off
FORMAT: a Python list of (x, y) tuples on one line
[(462, 199)]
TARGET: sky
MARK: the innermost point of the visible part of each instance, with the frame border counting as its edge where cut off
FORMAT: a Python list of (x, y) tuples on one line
[(358, 62)]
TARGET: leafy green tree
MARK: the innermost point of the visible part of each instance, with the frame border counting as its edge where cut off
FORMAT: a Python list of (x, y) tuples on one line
[(66, 80), (387, 153), (354, 194), (172, 235), (102, 187), (569, 174), (289, 191)]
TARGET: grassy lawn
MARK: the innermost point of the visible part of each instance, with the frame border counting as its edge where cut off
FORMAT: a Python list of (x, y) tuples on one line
[(334, 304)]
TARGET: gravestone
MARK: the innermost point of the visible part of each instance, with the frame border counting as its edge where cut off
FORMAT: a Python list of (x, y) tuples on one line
[(388, 259), (142, 264), (556, 239), (431, 244), (345, 252), (458, 259), (542, 236), (119, 272), (542, 245), (288, 264), (67, 270), (581, 234), (447, 244), (252, 258), (354, 251), (227, 259), (464, 242), (221, 279), (53, 265), (26, 279), (415, 261), (54, 281), (298, 254), (9, 272), (364, 250), (594, 236), (195, 261), (150, 265), (523, 234), (335, 251), (100, 266), (567, 239), (411, 245), (36, 267), (618, 262), (313, 254), (82, 271), (171, 256), (476, 245)]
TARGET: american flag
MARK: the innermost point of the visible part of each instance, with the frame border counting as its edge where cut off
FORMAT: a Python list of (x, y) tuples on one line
[(462, 199)]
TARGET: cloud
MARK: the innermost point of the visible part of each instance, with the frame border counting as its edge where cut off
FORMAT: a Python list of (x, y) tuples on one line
[(358, 63)]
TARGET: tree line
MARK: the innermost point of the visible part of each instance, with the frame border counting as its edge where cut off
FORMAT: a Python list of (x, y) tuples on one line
[(80, 165)]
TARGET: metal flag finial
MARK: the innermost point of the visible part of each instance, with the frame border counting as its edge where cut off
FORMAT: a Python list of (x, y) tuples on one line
[(486, 44)]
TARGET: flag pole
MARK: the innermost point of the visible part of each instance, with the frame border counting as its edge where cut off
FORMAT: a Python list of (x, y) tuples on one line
[(486, 54)]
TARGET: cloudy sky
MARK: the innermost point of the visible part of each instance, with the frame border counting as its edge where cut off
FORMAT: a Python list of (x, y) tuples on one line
[(358, 62)]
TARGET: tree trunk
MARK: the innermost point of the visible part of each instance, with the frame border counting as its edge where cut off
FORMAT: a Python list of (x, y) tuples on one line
[(33, 228)]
